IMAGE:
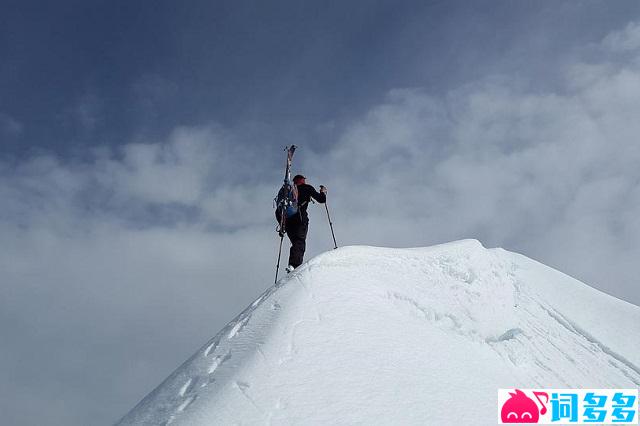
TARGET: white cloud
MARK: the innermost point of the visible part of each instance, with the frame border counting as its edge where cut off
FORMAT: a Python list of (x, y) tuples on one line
[(107, 286), (552, 174), (624, 40)]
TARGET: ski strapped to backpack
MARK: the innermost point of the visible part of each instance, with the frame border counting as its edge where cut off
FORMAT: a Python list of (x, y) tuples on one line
[(286, 201)]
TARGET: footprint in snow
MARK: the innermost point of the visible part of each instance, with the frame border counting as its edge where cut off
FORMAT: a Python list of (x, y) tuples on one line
[(187, 387), (238, 327), (258, 300), (510, 334), (243, 385), (187, 402), (217, 362), (211, 348)]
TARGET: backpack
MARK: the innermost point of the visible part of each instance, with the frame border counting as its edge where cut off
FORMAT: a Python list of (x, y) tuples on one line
[(287, 201)]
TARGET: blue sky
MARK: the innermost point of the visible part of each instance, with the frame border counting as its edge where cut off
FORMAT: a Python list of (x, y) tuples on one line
[(141, 147)]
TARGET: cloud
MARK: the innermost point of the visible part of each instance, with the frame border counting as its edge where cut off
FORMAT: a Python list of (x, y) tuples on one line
[(117, 264), (550, 174), (9, 126), (624, 40)]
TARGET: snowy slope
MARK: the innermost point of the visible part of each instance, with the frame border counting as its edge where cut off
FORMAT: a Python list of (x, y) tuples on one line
[(365, 335)]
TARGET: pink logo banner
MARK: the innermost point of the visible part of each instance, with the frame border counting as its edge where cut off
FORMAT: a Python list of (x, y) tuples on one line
[(568, 406)]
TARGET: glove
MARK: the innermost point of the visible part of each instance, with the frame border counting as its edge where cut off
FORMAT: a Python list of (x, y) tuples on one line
[(323, 189)]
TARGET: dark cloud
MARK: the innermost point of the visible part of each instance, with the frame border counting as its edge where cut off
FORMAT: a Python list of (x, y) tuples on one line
[(127, 69)]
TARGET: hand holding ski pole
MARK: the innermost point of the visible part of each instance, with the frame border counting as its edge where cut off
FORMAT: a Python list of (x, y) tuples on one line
[(323, 189)]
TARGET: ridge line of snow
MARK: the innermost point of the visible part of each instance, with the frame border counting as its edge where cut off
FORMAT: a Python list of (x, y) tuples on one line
[(377, 335), (574, 328)]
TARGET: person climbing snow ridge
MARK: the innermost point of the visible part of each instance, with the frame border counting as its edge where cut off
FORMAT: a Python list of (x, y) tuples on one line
[(298, 224)]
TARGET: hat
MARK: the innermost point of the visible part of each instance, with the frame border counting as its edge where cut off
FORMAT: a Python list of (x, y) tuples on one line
[(298, 177)]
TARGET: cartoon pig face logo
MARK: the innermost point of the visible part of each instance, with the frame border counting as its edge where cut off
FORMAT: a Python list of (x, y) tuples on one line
[(522, 409)]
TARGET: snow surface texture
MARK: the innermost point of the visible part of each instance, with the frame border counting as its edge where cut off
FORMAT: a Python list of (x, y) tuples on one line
[(366, 335)]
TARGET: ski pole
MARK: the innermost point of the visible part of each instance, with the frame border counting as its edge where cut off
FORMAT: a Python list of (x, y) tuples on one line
[(335, 245), (279, 254)]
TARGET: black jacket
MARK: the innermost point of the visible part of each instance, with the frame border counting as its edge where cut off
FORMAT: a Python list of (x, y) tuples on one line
[(305, 193)]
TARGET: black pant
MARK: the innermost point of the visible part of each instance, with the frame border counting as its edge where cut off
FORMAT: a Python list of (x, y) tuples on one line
[(296, 228)]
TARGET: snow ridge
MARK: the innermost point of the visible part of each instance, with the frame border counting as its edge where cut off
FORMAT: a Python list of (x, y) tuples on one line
[(388, 336)]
